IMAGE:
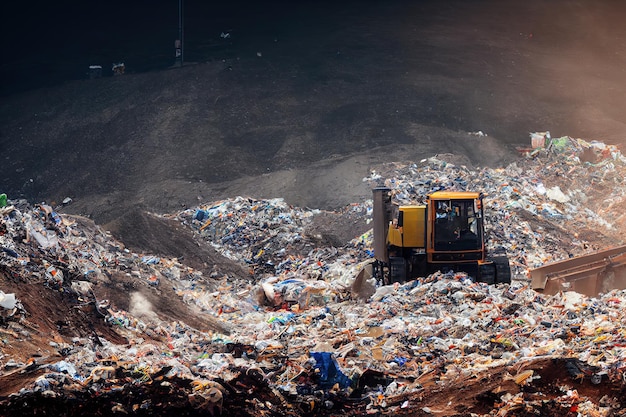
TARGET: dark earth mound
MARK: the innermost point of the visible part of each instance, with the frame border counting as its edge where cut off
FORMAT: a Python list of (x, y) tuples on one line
[(304, 99)]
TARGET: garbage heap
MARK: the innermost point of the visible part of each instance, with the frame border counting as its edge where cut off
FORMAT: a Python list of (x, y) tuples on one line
[(295, 341), (555, 202)]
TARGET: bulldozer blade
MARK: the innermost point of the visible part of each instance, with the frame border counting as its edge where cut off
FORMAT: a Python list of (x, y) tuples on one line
[(591, 274), (361, 287)]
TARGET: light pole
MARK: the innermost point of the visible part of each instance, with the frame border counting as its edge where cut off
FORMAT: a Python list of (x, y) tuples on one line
[(179, 42)]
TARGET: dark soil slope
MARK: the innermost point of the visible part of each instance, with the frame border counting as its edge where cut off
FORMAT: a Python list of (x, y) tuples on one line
[(302, 101)]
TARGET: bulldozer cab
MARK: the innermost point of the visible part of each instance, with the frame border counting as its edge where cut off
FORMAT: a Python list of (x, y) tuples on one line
[(456, 225), (456, 231)]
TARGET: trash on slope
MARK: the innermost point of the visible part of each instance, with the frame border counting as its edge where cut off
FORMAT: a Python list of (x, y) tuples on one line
[(297, 329)]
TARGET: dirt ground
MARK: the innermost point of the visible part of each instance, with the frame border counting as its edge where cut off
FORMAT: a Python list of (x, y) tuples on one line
[(302, 104)]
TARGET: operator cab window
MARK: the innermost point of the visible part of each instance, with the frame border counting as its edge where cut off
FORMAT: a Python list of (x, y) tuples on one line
[(456, 225)]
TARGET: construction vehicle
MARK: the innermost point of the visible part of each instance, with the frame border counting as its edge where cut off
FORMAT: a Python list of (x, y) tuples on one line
[(446, 233)]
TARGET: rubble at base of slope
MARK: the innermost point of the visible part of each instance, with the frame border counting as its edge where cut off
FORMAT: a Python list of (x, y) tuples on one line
[(295, 329)]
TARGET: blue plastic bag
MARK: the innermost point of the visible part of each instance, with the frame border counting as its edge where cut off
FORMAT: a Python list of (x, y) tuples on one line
[(329, 371)]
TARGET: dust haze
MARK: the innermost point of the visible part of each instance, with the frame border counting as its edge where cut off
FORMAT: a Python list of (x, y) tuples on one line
[(141, 307)]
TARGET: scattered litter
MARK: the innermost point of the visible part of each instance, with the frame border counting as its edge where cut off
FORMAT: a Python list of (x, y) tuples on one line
[(118, 68), (297, 329), (7, 301)]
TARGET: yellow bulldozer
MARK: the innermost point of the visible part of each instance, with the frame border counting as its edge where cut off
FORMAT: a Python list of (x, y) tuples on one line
[(446, 233)]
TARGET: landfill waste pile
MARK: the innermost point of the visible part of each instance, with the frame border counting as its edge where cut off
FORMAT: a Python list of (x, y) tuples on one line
[(289, 339)]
